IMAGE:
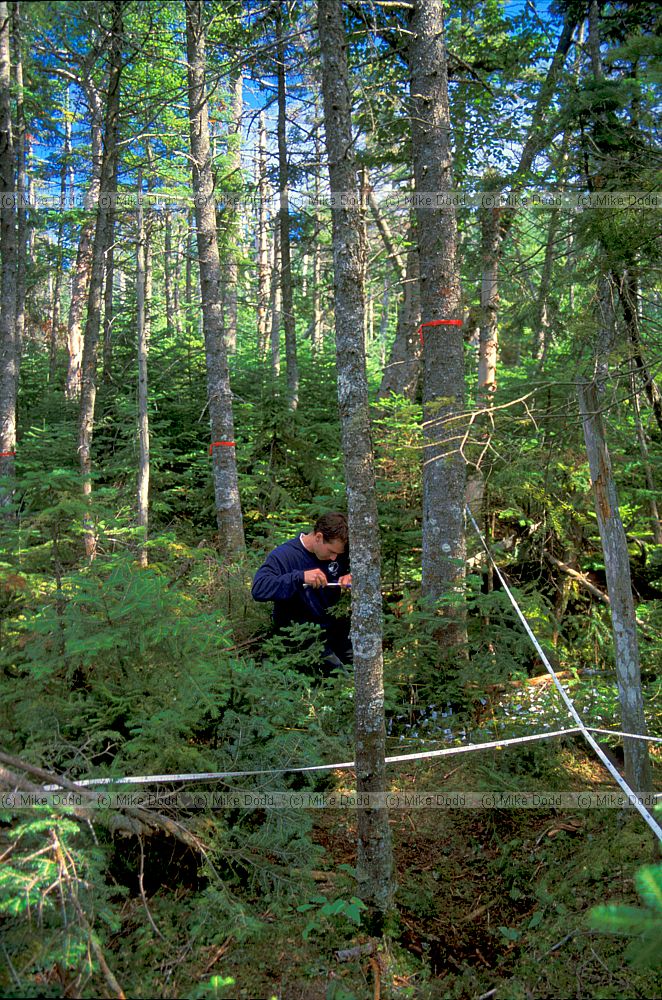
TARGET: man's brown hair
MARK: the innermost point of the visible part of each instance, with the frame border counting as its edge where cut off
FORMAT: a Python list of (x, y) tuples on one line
[(332, 526)]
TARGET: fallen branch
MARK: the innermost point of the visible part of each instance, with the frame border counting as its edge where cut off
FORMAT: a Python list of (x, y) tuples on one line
[(347, 954), (559, 944), (127, 820), (586, 583), (576, 575)]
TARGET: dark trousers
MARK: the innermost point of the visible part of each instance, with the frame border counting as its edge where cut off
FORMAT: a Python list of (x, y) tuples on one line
[(337, 652)]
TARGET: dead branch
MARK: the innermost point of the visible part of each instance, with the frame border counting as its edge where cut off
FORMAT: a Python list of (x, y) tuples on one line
[(580, 578), (128, 821), (576, 575), (347, 954)]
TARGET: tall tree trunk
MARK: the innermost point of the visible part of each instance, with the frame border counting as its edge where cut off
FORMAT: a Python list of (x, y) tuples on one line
[(81, 278), (619, 587), (383, 320), (231, 218), (284, 217), (628, 288), (21, 182), (374, 857), (542, 323), (304, 274), (542, 327), (57, 290), (262, 241), (402, 374), (189, 324), (102, 239), (167, 270), (396, 259), (143, 349), (317, 335), (9, 346), (443, 386), (224, 465), (493, 240), (276, 300), (176, 273), (108, 300), (488, 342), (370, 321), (656, 524), (605, 315)]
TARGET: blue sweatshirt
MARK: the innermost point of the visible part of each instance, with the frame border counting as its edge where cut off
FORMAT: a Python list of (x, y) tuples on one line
[(280, 579)]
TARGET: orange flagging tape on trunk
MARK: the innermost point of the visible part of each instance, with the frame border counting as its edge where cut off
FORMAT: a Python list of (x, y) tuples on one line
[(221, 444), (438, 322)]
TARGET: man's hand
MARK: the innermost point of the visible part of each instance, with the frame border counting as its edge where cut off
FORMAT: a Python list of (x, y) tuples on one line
[(345, 581), (315, 578)]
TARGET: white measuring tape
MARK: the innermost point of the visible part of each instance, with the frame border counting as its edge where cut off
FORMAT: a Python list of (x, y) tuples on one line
[(148, 779), (632, 796), (427, 754)]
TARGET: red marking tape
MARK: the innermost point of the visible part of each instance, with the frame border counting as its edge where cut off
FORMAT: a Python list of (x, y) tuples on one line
[(438, 322), (220, 444), (7, 454)]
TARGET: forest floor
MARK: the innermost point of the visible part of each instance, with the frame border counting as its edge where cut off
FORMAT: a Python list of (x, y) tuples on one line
[(493, 903)]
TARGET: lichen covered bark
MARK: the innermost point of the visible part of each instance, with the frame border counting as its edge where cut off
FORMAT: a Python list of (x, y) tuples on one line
[(374, 860)]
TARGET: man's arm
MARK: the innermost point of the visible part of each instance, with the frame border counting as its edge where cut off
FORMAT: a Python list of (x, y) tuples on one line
[(273, 582)]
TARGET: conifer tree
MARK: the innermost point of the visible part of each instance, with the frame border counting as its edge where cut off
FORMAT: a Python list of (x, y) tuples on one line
[(284, 221), (374, 860), (9, 345), (443, 351), (222, 448), (102, 240)]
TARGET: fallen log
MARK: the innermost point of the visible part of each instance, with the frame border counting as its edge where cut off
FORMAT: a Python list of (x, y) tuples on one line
[(126, 820)]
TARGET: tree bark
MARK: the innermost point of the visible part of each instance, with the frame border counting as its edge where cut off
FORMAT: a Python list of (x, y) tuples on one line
[(21, 182), (605, 329), (656, 524), (374, 856), (224, 465), (284, 217), (619, 587), (488, 340), (493, 240), (542, 327), (275, 300), (9, 346), (628, 288), (383, 320), (189, 325), (317, 334), (402, 374), (395, 257), (102, 239), (108, 299), (176, 272), (262, 241), (443, 566), (231, 218), (167, 270), (143, 349), (57, 289), (81, 278)]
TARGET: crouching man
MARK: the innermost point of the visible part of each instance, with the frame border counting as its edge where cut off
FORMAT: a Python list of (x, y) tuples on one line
[(296, 577)]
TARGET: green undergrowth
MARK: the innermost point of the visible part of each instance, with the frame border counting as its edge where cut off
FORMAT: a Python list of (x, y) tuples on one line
[(110, 669)]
